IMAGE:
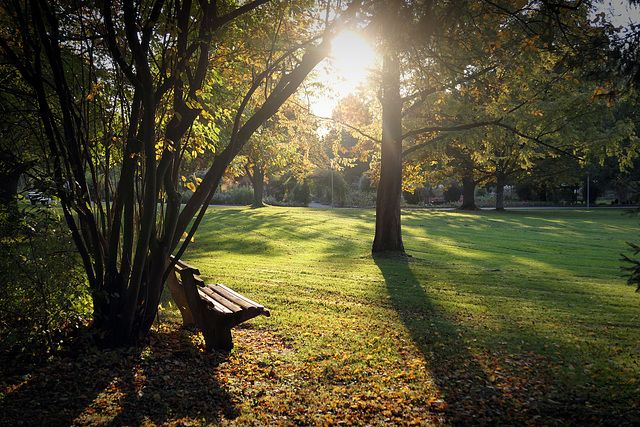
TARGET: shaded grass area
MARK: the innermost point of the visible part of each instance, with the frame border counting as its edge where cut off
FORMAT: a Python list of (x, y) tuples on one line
[(513, 318)]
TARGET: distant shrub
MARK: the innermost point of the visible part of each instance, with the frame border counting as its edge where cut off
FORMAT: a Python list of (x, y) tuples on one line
[(301, 194), (418, 197), (242, 195), (364, 184), (238, 196), (322, 179), (273, 201), (361, 199)]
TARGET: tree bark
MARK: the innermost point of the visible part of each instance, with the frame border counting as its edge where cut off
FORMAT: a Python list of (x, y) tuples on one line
[(468, 193), (257, 180), (388, 235)]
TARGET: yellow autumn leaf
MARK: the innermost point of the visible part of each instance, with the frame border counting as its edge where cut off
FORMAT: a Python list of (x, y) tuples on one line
[(191, 186)]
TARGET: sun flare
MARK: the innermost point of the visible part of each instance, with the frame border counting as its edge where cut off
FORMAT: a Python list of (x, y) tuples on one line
[(353, 56), (351, 59)]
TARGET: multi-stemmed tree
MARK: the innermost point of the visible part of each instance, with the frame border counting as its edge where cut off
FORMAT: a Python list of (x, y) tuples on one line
[(118, 87)]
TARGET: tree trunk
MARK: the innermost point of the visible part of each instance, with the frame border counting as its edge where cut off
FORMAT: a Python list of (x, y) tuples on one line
[(500, 192), (468, 193), (257, 180), (388, 237)]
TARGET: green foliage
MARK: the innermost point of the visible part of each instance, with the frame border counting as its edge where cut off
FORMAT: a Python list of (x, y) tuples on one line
[(43, 287), (360, 199), (322, 185), (288, 190), (632, 267), (419, 196), (302, 193)]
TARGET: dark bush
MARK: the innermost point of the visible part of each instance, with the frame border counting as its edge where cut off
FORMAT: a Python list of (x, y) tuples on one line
[(452, 192), (301, 194), (418, 197), (42, 283)]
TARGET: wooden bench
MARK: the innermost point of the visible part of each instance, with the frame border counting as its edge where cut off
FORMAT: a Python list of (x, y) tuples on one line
[(214, 308)]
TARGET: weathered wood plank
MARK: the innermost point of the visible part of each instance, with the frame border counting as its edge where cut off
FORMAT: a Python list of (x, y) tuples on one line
[(238, 299), (212, 303), (240, 302), (220, 299)]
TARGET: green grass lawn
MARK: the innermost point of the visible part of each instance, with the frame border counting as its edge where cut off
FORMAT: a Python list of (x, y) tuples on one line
[(515, 317)]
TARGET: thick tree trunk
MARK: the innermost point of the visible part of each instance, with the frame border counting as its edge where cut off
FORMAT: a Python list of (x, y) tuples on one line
[(388, 237), (468, 193), (257, 180)]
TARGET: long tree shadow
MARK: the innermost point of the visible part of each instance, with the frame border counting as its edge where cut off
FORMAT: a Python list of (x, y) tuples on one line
[(246, 231), (167, 381), (504, 346), (469, 378), (465, 387)]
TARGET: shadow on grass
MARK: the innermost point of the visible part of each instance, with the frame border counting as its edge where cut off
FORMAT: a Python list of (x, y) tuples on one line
[(166, 382), (463, 384), (489, 383)]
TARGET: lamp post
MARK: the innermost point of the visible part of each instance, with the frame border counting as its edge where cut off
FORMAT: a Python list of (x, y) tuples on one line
[(331, 183), (588, 189)]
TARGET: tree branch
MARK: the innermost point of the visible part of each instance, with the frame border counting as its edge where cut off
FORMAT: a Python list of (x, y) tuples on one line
[(467, 126)]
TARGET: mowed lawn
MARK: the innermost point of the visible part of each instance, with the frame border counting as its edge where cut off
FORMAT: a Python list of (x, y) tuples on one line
[(520, 317)]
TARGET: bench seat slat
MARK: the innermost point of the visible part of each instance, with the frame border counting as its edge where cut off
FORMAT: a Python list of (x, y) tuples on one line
[(236, 298), (220, 299), (213, 303), (232, 292), (241, 300)]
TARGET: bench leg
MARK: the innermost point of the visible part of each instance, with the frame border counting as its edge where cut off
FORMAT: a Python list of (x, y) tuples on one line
[(180, 298), (217, 337)]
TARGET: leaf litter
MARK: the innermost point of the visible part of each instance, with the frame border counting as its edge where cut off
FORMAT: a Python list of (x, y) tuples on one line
[(266, 380)]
